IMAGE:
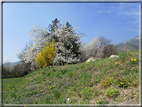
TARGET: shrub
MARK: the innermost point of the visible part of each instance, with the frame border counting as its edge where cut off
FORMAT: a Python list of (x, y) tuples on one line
[(111, 93), (46, 57)]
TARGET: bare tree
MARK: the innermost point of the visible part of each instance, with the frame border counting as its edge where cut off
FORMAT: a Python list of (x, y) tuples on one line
[(112, 50), (104, 44)]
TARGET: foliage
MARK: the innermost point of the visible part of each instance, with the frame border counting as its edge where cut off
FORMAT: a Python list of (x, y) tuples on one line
[(102, 102), (87, 92), (111, 93), (46, 57), (57, 93), (122, 84), (122, 57), (63, 71)]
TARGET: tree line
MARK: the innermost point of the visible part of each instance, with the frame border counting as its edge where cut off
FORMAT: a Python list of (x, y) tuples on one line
[(59, 45)]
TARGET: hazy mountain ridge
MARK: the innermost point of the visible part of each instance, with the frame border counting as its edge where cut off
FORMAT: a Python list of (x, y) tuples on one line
[(129, 45)]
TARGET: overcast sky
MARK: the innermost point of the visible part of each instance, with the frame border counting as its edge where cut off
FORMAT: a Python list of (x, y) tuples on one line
[(116, 21)]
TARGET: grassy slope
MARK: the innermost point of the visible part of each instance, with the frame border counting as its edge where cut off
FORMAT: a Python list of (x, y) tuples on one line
[(54, 85)]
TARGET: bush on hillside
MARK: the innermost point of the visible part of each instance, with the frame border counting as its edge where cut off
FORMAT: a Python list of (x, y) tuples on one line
[(46, 57)]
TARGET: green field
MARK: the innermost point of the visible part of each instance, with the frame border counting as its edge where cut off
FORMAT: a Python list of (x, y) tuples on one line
[(104, 81)]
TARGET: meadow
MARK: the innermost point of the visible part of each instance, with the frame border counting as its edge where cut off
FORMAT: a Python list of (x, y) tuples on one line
[(104, 81)]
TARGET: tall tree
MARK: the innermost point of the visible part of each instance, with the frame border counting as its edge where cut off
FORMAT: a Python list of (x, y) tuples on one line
[(66, 46), (52, 27)]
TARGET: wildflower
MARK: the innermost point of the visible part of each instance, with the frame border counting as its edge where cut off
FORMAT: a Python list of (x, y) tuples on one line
[(135, 68), (51, 91), (58, 80), (42, 82), (38, 81), (50, 100), (133, 59), (25, 106), (121, 83), (131, 53), (41, 90), (53, 95), (116, 62), (86, 63), (68, 99), (99, 100)]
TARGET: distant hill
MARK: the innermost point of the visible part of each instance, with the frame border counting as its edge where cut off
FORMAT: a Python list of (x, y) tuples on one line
[(10, 64), (129, 45)]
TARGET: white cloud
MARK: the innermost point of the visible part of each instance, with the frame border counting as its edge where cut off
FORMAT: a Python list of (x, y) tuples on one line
[(128, 13), (105, 11)]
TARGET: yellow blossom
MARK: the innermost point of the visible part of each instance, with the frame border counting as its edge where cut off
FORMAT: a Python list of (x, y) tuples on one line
[(135, 59), (121, 83), (116, 62), (99, 100), (50, 100), (41, 90), (131, 53)]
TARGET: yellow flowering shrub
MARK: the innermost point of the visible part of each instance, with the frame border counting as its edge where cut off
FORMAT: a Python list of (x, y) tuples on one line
[(45, 57)]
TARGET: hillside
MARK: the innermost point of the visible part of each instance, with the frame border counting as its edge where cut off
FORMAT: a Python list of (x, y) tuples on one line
[(129, 45), (104, 81)]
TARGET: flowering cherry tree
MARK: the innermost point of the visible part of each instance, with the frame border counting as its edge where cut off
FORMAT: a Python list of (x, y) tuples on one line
[(65, 37)]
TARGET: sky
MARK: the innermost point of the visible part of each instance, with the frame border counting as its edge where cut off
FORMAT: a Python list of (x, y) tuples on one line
[(115, 21)]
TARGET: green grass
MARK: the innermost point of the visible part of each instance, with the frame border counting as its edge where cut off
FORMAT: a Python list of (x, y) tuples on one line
[(97, 82)]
